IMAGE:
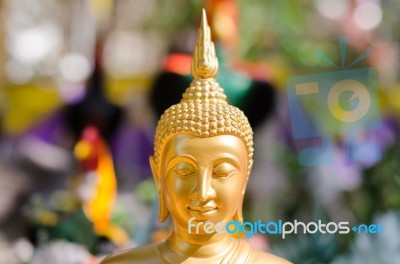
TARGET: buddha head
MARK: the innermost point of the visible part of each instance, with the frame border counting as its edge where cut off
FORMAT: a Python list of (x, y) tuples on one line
[(203, 148)]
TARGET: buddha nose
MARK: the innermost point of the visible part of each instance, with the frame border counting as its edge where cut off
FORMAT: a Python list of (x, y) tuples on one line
[(203, 189)]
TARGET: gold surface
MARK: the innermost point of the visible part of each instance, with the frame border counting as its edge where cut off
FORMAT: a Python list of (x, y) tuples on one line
[(202, 160), (204, 63)]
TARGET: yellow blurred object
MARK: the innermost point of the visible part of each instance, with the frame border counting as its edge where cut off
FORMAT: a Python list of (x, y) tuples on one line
[(47, 218), (117, 235), (28, 104), (393, 97), (99, 208), (4, 101), (101, 9), (82, 150), (118, 90), (96, 161)]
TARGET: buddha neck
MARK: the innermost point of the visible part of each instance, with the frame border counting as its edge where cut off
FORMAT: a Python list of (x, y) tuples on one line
[(199, 245)]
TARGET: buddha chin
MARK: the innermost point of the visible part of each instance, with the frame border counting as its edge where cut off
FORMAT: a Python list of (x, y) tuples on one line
[(203, 154)]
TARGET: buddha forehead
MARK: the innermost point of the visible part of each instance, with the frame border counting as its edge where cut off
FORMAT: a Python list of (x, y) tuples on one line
[(205, 150)]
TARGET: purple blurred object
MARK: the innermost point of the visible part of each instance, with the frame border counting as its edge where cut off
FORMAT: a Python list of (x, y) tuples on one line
[(374, 143), (132, 148)]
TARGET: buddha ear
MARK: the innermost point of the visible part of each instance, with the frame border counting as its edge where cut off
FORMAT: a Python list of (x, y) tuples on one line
[(238, 216), (163, 211), (250, 166), (154, 169)]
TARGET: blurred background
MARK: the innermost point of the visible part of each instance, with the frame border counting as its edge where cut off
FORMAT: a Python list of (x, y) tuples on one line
[(83, 83)]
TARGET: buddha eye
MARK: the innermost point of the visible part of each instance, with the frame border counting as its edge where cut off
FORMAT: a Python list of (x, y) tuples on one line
[(224, 170), (183, 172), (184, 169)]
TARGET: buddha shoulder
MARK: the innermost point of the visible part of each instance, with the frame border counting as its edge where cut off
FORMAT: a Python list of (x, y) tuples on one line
[(141, 254)]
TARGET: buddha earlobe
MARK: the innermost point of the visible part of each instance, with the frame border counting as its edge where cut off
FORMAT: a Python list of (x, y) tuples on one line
[(238, 216), (163, 210)]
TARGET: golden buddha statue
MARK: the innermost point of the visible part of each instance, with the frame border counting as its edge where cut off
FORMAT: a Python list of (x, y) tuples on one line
[(202, 159)]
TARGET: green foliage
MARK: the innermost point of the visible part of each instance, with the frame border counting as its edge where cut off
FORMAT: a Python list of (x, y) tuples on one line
[(380, 190), (309, 249), (376, 248)]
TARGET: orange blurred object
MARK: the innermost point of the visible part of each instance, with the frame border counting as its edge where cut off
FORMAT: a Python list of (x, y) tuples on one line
[(223, 17)]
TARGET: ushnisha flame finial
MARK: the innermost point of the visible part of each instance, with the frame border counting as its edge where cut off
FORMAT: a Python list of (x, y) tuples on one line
[(204, 62)]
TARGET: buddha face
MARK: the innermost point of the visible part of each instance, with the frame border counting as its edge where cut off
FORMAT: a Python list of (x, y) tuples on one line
[(203, 178)]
